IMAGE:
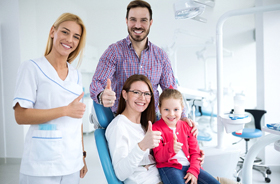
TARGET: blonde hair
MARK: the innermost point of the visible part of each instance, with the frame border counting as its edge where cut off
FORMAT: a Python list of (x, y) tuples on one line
[(80, 48), (170, 93)]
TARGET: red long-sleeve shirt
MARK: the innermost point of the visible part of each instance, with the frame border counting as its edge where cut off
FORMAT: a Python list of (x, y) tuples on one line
[(165, 151)]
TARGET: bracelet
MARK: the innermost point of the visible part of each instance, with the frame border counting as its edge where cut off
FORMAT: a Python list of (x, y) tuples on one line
[(84, 154), (100, 99)]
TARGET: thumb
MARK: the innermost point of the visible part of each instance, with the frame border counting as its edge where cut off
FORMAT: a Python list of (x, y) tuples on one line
[(175, 137), (108, 86), (150, 127), (80, 97)]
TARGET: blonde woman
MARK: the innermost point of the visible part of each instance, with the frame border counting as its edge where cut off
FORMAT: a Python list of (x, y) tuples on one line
[(48, 98)]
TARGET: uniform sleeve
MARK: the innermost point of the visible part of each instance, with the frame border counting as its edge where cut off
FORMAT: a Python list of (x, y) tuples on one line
[(26, 85), (105, 69), (124, 162), (165, 150)]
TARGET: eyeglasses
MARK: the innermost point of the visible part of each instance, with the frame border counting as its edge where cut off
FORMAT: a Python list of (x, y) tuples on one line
[(138, 94)]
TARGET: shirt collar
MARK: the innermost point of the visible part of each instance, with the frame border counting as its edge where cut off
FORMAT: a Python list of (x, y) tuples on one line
[(130, 45)]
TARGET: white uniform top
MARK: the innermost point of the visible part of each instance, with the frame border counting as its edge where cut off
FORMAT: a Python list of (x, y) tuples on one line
[(128, 159), (49, 152)]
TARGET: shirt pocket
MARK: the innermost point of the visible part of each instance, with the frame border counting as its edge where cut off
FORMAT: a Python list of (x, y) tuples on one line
[(46, 145)]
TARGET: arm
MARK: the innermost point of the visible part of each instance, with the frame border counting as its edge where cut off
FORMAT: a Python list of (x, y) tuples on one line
[(84, 170), (124, 160), (104, 70), (165, 150), (31, 116)]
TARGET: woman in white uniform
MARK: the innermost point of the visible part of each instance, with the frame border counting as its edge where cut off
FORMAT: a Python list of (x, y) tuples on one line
[(48, 98)]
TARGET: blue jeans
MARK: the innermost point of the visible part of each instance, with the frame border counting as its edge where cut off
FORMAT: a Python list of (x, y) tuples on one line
[(171, 175)]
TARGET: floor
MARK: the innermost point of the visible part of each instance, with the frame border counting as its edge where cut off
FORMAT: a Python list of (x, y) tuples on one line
[(9, 172)]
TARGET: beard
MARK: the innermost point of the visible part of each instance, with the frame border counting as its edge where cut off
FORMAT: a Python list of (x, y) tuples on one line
[(138, 38)]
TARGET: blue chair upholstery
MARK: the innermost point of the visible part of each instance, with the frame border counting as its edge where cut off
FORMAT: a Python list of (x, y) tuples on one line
[(251, 133), (104, 116)]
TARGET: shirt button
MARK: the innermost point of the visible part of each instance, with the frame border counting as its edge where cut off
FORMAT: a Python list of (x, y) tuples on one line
[(188, 156), (177, 133), (140, 66)]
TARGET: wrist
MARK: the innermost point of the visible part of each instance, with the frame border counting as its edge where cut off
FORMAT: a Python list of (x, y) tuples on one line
[(64, 111), (100, 98), (141, 146)]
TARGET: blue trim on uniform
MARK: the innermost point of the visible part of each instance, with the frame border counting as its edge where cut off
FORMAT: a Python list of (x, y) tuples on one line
[(47, 137), (24, 99), (78, 77), (53, 80)]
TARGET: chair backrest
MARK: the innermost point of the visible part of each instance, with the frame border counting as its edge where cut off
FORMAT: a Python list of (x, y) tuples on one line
[(104, 116), (257, 114)]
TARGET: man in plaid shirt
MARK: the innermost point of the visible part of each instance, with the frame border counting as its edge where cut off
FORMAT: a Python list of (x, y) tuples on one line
[(133, 55)]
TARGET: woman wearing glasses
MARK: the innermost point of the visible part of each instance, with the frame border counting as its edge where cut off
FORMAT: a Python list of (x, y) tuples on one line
[(130, 136)]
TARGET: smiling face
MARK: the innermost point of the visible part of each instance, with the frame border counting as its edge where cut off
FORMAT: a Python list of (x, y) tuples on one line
[(66, 37), (171, 110), (138, 24), (134, 102)]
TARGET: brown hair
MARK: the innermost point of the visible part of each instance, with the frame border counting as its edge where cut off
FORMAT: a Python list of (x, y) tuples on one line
[(148, 114), (139, 3), (170, 93), (79, 50)]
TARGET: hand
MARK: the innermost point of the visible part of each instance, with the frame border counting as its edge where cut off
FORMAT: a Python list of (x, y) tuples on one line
[(151, 139), (76, 108), (190, 177), (177, 145), (84, 170), (194, 130), (108, 97), (202, 157)]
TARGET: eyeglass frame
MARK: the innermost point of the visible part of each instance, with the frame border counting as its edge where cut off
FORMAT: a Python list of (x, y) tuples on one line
[(141, 93)]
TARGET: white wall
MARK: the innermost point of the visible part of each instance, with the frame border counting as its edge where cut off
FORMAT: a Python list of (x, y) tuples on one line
[(2, 136), (271, 46), (12, 132)]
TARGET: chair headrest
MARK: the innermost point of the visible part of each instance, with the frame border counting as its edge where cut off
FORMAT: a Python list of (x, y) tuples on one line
[(104, 114)]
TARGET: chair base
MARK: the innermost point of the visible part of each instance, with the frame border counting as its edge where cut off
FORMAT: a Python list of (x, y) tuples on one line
[(257, 166)]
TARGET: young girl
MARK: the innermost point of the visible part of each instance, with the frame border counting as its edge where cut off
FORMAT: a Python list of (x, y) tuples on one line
[(177, 153)]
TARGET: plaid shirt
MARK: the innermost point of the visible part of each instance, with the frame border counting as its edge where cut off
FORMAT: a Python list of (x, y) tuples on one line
[(120, 61)]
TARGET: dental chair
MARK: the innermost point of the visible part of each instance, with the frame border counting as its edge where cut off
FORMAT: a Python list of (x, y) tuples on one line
[(104, 116), (251, 133)]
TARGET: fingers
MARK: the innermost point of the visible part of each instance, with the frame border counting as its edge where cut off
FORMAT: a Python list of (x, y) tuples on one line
[(174, 137), (190, 123), (201, 159), (150, 126), (108, 97), (194, 131), (80, 97), (108, 86)]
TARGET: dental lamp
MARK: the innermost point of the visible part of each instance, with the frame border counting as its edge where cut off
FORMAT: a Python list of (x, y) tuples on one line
[(188, 9)]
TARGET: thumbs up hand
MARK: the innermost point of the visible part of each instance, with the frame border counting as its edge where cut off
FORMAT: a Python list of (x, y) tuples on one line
[(177, 145), (108, 97), (151, 139), (76, 108)]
